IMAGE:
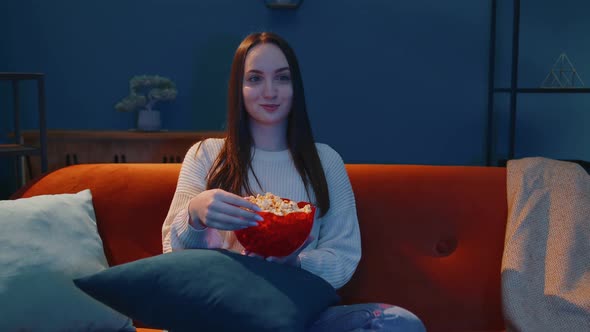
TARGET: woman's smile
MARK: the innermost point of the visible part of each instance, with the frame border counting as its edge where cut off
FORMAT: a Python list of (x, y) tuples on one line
[(270, 107)]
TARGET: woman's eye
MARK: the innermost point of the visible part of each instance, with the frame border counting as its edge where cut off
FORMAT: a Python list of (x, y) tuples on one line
[(284, 78), (254, 79)]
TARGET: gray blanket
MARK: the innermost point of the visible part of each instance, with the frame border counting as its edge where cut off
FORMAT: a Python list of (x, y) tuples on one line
[(546, 261)]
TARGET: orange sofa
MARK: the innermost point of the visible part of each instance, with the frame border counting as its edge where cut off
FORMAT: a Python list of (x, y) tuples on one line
[(432, 236)]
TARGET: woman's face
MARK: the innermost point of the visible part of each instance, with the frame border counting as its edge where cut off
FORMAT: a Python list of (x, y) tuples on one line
[(267, 88)]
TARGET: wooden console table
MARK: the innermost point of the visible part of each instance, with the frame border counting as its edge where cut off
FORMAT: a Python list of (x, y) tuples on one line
[(70, 147)]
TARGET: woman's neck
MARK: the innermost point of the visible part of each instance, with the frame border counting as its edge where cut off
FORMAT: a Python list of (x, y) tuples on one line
[(269, 138)]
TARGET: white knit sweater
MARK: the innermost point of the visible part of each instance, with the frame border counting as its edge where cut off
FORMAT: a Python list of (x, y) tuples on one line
[(336, 249)]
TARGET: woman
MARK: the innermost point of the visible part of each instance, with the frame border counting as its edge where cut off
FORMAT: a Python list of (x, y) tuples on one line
[(269, 148)]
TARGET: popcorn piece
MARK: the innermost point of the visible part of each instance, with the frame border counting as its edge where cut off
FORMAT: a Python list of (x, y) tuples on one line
[(276, 205)]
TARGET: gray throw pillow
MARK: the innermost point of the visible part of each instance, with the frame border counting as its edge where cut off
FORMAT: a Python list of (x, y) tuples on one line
[(46, 242)]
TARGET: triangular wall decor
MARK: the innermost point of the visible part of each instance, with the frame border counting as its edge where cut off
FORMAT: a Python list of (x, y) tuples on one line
[(563, 74)]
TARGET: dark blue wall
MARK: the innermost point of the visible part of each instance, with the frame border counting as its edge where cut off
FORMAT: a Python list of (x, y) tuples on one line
[(386, 81)]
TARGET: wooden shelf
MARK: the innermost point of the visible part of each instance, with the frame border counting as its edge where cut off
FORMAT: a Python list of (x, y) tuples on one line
[(109, 135), (545, 90), (71, 147), (18, 149), (513, 90), (20, 76)]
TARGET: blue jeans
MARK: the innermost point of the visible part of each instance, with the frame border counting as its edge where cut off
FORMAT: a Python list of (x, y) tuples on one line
[(367, 317)]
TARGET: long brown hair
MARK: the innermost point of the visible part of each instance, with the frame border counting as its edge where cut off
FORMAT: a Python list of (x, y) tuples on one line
[(230, 170)]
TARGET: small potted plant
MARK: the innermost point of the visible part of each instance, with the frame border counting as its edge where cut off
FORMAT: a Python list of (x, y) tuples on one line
[(144, 92)]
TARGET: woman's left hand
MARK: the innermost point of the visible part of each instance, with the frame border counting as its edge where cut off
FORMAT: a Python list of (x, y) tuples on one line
[(292, 259)]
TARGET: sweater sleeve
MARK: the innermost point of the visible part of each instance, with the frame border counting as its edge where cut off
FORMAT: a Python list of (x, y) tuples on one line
[(177, 234), (338, 248)]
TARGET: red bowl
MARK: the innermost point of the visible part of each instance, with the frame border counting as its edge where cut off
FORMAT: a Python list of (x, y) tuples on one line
[(277, 235)]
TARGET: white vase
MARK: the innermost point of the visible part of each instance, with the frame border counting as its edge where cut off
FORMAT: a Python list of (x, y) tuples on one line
[(149, 120)]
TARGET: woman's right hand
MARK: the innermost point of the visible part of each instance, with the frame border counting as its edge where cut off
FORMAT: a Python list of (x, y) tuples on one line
[(217, 208)]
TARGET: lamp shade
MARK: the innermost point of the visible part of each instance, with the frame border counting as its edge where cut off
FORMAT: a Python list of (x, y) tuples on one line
[(290, 4)]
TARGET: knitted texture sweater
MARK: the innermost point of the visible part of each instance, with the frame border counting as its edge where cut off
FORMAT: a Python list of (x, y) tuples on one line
[(335, 250)]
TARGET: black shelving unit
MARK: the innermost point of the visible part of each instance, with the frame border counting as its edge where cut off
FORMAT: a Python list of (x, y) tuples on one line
[(17, 149), (513, 90)]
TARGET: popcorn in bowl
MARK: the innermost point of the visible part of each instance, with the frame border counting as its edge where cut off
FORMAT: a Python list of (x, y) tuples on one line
[(279, 206), (285, 227)]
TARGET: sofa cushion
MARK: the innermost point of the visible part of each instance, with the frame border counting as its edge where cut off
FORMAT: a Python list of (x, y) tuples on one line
[(47, 241), (214, 290)]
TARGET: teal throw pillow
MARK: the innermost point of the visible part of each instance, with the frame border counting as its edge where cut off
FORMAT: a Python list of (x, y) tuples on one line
[(212, 290)]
